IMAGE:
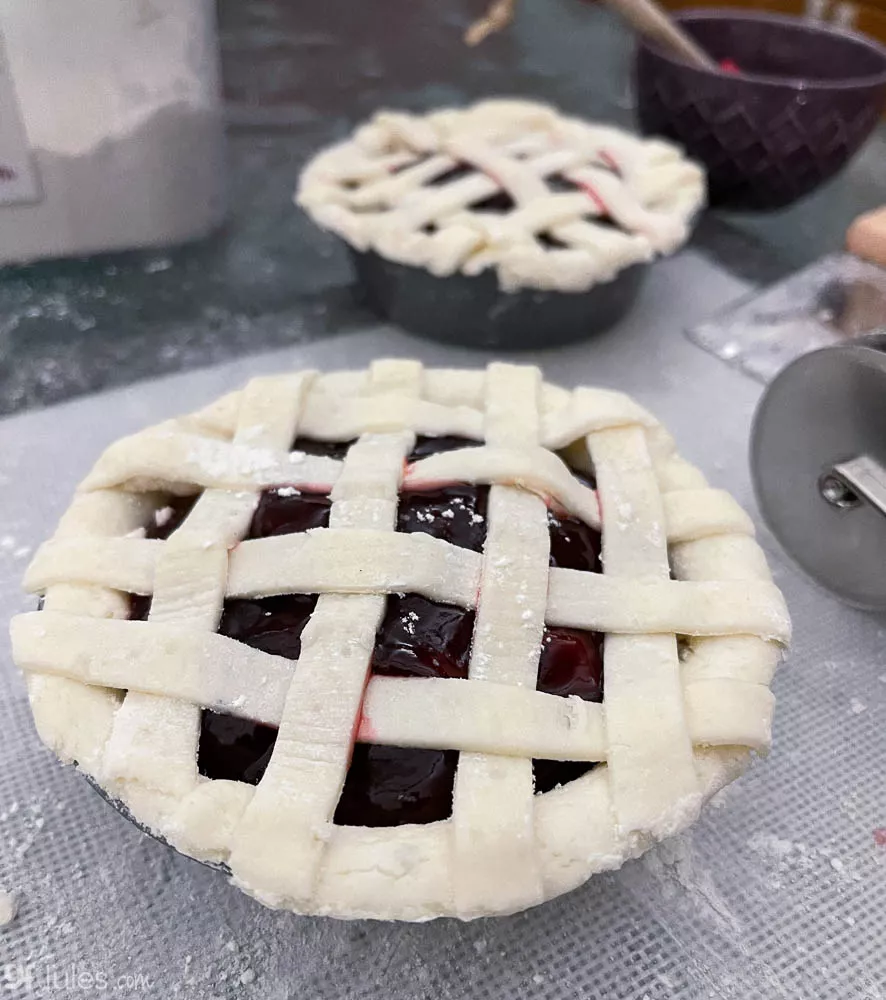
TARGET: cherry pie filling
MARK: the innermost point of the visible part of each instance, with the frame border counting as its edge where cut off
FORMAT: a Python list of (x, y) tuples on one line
[(389, 786), (501, 202)]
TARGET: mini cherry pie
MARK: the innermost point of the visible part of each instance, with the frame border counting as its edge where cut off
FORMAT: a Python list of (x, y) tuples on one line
[(549, 202), (404, 643)]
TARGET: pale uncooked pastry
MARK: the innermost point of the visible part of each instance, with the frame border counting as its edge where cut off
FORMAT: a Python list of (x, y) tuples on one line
[(123, 698), (585, 200), (8, 908)]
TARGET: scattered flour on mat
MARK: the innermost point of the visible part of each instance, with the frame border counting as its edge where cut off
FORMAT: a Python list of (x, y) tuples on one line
[(674, 866), (724, 797), (794, 857), (9, 545)]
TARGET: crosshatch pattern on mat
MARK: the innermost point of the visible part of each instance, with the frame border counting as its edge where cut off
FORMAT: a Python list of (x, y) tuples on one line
[(149, 679)]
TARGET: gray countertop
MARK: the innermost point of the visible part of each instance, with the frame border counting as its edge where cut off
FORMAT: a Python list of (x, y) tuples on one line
[(298, 76)]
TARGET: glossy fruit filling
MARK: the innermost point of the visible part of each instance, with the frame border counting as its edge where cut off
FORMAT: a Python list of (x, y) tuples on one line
[(501, 202), (389, 786)]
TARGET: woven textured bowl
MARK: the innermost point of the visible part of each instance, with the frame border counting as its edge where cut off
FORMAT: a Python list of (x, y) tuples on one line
[(808, 96)]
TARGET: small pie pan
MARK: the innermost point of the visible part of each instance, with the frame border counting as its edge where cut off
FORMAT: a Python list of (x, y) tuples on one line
[(475, 312), (125, 812)]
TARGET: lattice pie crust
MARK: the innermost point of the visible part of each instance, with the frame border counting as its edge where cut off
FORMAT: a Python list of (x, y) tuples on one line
[(587, 200), (122, 698)]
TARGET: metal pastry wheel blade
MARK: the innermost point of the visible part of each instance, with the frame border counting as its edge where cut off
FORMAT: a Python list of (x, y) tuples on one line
[(818, 461)]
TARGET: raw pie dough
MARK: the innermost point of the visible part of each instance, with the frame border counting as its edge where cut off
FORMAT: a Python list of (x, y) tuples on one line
[(123, 698), (617, 201)]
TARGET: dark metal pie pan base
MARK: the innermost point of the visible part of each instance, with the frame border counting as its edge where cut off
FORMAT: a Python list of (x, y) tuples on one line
[(475, 312), (126, 813)]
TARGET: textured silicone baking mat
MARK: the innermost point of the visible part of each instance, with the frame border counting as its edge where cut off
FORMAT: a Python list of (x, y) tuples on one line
[(779, 892)]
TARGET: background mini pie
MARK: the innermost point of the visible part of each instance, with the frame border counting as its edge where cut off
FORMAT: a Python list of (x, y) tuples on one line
[(509, 193), (404, 643)]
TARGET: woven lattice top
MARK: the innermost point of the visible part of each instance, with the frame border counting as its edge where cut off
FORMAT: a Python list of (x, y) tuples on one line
[(550, 202), (123, 697)]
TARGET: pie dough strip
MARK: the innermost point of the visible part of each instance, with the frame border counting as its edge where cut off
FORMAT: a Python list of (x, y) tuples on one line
[(277, 849), (589, 410), (356, 561), (689, 514), (387, 412), (605, 603), (339, 407), (199, 667), (128, 563), (490, 718), (655, 788), (216, 672), (747, 722), (75, 719), (322, 560), (534, 469), (699, 513), (727, 659), (481, 716), (176, 461), (497, 864), (368, 561), (567, 416), (152, 749), (394, 870)]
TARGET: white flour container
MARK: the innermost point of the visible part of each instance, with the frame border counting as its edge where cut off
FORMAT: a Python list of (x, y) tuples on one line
[(110, 125)]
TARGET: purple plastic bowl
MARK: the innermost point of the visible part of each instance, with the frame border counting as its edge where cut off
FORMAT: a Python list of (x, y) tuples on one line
[(807, 97)]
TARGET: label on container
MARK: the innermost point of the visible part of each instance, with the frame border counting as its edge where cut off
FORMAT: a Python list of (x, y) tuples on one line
[(19, 182)]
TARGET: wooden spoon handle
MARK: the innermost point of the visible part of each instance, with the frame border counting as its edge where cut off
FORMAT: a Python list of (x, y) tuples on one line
[(649, 20)]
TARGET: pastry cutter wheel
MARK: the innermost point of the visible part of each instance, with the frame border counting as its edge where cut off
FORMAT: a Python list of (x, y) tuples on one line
[(818, 463), (818, 441)]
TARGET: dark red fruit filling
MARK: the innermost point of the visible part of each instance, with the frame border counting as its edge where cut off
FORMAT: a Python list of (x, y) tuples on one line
[(426, 446), (497, 203), (457, 514), (550, 242), (285, 510), (452, 174), (560, 184), (389, 786), (501, 202), (170, 517), (571, 663), (329, 449), (234, 748), (421, 638), (574, 545), (271, 624)]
